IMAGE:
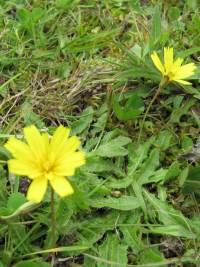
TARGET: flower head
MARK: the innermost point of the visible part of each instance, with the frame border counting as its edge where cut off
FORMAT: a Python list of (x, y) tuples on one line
[(45, 160), (172, 70)]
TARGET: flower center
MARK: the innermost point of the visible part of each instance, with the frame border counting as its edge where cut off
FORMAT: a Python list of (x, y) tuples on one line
[(47, 167), (170, 75)]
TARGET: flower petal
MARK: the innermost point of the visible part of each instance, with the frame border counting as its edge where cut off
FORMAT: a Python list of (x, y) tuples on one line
[(69, 147), (37, 189), (23, 168), (45, 138), (35, 141), (168, 59), (185, 71), (157, 62), (68, 165), (61, 186), (183, 82), (177, 64), (19, 150), (57, 142)]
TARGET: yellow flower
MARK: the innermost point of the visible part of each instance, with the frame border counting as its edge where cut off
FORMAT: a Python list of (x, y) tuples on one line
[(172, 70), (45, 159)]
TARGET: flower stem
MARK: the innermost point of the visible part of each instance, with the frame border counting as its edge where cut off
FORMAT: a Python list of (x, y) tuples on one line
[(53, 225), (162, 84)]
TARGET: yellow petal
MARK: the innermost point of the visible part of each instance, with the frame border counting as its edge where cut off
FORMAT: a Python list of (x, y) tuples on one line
[(183, 82), (185, 71), (177, 64), (37, 189), (57, 142), (69, 147), (45, 138), (168, 59), (61, 186), (19, 150), (23, 168), (157, 62), (68, 165), (35, 141)]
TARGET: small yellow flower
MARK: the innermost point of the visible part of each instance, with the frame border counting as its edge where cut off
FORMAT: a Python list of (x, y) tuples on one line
[(45, 159), (172, 70)]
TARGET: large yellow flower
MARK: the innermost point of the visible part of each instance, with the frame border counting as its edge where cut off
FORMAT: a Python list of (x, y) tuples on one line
[(44, 159), (172, 70)]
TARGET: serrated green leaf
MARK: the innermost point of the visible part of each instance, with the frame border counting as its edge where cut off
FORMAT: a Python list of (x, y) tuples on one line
[(148, 168), (84, 122), (122, 203), (112, 250), (136, 156), (173, 230), (113, 148), (98, 164), (169, 216), (152, 256)]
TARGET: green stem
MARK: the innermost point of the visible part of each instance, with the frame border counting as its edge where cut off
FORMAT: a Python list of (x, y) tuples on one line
[(53, 225), (162, 85)]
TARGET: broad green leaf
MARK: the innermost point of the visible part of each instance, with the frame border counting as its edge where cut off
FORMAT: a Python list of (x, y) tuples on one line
[(132, 238), (23, 209), (158, 176), (137, 155), (112, 250), (24, 17), (187, 143), (152, 256), (183, 110), (174, 230), (100, 124), (89, 262), (156, 25), (32, 263), (93, 229), (169, 216), (192, 183), (163, 140), (196, 118), (195, 92), (120, 183), (84, 122), (15, 200), (97, 164), (132, 108), (173, 171), (37, 14), (148, 168), (138, 192), (113, 148), (188, 52), (122, 203)]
